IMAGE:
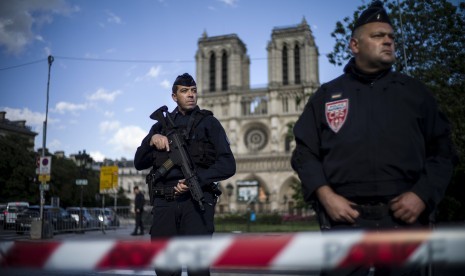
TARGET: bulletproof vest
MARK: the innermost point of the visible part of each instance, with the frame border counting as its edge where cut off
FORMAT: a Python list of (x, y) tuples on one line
[(202, 151)]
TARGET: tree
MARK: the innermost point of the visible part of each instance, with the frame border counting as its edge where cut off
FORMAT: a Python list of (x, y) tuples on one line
[(430, 41), (17, 170)]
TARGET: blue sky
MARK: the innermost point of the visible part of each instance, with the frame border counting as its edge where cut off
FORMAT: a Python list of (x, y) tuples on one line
[(115, 61)]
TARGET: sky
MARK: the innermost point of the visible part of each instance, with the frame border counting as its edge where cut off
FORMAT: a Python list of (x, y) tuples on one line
[(115, 61)]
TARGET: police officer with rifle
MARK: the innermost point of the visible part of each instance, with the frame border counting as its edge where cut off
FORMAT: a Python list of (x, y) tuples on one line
[(189, 153)]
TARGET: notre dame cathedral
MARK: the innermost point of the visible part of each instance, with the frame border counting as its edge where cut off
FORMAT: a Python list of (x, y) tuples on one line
[(259, 121)]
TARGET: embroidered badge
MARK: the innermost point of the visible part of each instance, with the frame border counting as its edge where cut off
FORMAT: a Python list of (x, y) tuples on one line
[(336, 113)]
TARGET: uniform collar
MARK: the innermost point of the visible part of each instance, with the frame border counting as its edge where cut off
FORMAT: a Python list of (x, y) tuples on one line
[(356, 73), (176, 112)]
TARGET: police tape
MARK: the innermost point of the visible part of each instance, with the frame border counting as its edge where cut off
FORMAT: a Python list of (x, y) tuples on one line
[(302, 251)]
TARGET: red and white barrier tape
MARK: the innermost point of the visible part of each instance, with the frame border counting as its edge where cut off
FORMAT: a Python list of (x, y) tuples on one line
[(294, 252)]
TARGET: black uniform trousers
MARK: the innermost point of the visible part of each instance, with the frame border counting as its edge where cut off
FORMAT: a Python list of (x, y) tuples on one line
[(373, 217), (182, 217)]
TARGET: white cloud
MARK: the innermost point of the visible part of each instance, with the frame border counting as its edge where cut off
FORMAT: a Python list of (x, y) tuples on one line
[(103, 95), (20, 19), (165, 84), (54, 145), (127, 139), (34, 119), (63, 107), (47, 51), (91, 56), (129, 109), (113, 18), (97, 156), (231, 3), (109, 114), (107, 126), (153, 73)]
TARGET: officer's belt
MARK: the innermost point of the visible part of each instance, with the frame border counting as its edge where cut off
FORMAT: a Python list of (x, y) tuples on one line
[(373, 211), (166, 192)]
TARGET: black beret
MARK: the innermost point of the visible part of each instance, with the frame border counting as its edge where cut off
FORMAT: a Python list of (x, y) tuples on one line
[(374, 13), (185, 80)]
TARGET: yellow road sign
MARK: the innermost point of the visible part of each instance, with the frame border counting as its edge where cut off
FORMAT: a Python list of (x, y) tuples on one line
[(44, 177), (108, 177)]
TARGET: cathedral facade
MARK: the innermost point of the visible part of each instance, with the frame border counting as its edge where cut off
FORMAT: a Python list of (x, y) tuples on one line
[(258, 121)]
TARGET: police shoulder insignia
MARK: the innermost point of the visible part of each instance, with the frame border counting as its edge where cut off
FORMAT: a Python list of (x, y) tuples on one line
[(336, 96), (336, 113)]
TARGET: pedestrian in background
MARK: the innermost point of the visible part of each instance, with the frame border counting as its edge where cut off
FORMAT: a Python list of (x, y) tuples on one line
[(372, 149), (139, 210)]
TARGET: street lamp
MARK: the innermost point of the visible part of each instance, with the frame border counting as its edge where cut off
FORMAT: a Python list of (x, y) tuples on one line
[(84, 162)]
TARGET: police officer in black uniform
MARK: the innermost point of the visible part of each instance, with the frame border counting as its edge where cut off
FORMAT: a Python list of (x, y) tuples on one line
[(175, 213), (372, 148)]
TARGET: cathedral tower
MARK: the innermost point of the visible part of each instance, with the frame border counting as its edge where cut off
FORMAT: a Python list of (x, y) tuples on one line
[(258, 121)]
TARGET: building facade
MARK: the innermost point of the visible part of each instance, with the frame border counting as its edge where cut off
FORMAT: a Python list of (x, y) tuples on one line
[(258, 121), (8, 127)]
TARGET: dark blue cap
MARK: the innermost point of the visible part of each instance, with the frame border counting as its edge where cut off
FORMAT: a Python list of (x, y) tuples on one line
[(185, 80), (374, 13)]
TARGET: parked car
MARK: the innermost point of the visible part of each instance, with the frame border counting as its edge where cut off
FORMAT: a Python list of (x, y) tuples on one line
[(11, 212), (59, 219), (106, 216), (88, 220)]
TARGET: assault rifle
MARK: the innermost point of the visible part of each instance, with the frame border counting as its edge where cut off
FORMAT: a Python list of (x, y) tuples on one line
[(178, 155)]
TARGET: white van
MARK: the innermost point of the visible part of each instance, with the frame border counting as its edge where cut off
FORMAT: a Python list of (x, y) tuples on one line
[(12, 210)]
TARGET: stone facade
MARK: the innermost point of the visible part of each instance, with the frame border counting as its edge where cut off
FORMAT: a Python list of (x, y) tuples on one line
[(259, 121), (8, 127)]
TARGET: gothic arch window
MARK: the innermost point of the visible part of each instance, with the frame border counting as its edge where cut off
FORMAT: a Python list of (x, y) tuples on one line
[(285, 105), (285, 66), (212, 72), (224, 71), (297, 64)]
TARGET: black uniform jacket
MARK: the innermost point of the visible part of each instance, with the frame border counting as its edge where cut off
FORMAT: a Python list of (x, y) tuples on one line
[(375, 138), (208, 128)]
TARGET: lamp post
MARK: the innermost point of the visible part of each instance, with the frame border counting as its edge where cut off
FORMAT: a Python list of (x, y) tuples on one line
[(84, 162), (44, 144)]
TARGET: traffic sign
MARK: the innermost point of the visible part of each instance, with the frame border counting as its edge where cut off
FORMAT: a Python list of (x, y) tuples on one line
[(81, 181), (44, 187), (108, 177), (44, 177), (45, 164)]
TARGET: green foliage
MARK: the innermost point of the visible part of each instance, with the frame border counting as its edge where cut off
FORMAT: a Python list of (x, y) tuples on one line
[(430, 42), (265, 223), (298, 196), (18, 179), (17, 170)]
